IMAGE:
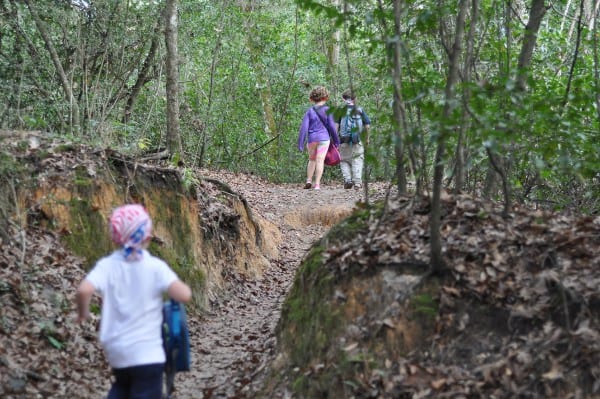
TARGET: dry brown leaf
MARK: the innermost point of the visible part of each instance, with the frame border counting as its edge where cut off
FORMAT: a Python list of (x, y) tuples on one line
[(438, 384)]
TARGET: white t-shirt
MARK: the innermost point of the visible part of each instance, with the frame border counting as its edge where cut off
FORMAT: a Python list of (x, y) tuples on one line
[(132, 302)]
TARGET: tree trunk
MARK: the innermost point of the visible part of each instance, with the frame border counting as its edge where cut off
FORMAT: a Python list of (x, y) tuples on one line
[(536, 14), (394, 57), (565, 17), (64, 80), (596, 65), (437, 263), (200, 153), (459, 172), (499, 165), (398, 105), (575, 55), (490, 185), (263, 85), (143, 75), (172, 67), (593, 18), (333, 49)]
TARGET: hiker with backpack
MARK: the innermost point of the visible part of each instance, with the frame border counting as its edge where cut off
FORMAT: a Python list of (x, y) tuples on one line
[(353, 127), (132, 282), (316, 130)]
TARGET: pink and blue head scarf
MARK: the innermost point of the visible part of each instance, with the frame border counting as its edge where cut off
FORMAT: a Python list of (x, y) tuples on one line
[(130, 227)]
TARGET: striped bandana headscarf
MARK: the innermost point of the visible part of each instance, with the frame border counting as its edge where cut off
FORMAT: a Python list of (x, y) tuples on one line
[(130, 227)]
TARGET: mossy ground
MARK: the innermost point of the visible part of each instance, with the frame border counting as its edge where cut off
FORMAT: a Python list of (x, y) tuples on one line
[(314, 325), (310, 321)]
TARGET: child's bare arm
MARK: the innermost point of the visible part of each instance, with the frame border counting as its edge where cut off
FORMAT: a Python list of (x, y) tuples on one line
[(83, 298), (180, 291)]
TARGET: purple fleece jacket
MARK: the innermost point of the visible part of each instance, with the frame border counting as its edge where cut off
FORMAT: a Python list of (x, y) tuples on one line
[(312, 128)]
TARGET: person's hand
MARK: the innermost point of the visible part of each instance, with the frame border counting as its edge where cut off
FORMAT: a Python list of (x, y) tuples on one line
[(82, 299), (82, 316)]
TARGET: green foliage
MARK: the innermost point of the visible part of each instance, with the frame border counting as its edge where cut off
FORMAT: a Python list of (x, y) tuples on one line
[(425, 305), (54, 342), (48, 330), (8, 166), (95, 309), (189, 180), (546, 134)]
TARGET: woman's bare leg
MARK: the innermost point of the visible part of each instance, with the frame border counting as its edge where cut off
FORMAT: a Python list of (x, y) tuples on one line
[(310, 170), (319, 165)]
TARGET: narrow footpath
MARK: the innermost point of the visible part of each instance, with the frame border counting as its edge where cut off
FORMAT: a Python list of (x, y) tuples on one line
[(234, 341)]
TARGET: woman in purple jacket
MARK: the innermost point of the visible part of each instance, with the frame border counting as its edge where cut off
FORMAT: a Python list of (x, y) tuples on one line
[(317, 129)]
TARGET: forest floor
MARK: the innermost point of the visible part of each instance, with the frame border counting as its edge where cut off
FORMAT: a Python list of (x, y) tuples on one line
[(235, 340), (533, 281)]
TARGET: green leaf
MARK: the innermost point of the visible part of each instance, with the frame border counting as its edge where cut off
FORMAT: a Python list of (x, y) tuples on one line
[(95, 309), (54, 342)]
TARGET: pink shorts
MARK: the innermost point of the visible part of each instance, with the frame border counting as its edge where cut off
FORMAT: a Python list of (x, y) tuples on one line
[(317, 148)]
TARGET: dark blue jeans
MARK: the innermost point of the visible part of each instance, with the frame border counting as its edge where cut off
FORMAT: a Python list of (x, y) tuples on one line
[(138, 382)]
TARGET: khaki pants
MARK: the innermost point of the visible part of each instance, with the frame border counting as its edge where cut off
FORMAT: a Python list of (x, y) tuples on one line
[(353, 157)]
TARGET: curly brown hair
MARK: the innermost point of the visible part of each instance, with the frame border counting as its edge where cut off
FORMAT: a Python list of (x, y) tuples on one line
[(319, 93)]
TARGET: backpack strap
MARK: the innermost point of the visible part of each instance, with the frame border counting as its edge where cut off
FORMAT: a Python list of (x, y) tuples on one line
[(325, 125)]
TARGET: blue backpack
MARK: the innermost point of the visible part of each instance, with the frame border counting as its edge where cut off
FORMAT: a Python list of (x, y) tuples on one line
[(176, 341), (351, 125)]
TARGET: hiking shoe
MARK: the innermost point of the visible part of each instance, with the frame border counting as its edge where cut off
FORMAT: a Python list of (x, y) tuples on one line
[(348, 184), (307, 185), (358, 186), (317, 187)]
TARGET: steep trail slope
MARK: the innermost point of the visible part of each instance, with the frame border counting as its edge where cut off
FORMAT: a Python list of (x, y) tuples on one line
[(232, 343)]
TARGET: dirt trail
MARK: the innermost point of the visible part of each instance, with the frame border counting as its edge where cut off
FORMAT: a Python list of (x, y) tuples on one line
[(232, 344)]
